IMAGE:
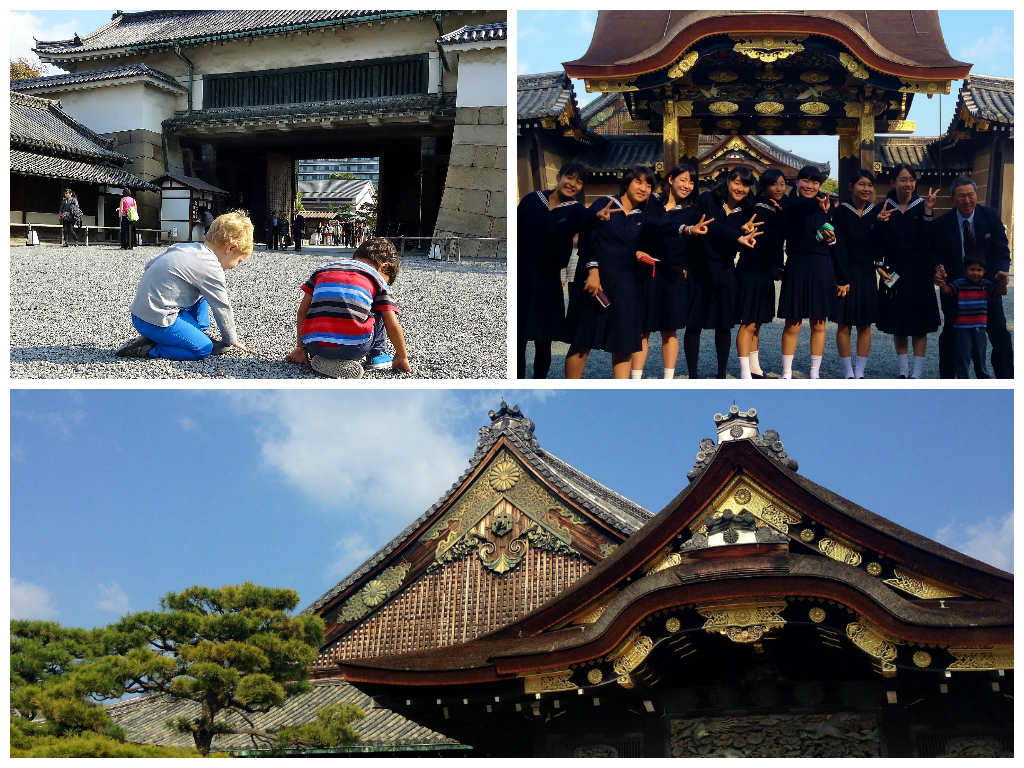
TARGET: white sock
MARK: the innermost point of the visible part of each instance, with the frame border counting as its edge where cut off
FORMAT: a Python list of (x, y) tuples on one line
[(670, 373), (815, 365), (847, 367), (862, 363), (904, 366), (636, 374), (745, 368), (755, 366), (787, 366), (918, 367)]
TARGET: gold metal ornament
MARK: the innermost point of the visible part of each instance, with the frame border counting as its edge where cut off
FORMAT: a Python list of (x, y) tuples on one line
[(920, 587), (854, 66), (817, 615), (874, 569), (814, 108), (504, 474), (723, 76), (373, 593), (768, 48), (626, 681), (839, 550), (683, 108), (814, 76), (808, 124), (684, 65), (902, 126), (928, 87), (981, 657), (723, 107), (854, 108), (595, 676), (742, 496), (769, 123), (807, 535), (922, 658), (769, 107), (672, 625), (631, 653), (743, 622), (728, 124), (636, 126), (875, 643), (546, 682), (611, 86), (768, 74)]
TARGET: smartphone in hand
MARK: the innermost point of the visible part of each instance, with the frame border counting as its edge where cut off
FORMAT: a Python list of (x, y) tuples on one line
[(893, 277)]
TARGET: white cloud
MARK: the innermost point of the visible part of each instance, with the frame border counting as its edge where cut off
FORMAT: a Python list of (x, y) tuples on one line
[(25, 25), (380, 457), (57, 423), (990, 541), (188, 424), (990, 54), (350, 552), (112, 598), (30, 601)]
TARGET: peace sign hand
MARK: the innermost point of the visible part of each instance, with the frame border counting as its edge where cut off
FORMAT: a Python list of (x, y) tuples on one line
[(929, 202), (775, 203), (701, 227), (606, 213), (886, 212), (749, 239), (749, 227), (825, 201)]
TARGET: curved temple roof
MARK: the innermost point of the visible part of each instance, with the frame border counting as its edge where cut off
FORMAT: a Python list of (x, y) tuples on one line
[(633, 42)]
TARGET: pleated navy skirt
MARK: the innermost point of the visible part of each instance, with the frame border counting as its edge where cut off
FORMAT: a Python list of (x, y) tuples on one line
[(859, 307), (808, 288)]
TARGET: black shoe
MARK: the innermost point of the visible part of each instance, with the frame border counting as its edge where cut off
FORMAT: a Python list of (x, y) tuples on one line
[(902, 376), (756, 375), (137, 347), (220, 347), (849, 378)]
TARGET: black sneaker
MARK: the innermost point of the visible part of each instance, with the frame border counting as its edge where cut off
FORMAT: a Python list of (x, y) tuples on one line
[(137, 347), (336, 369), (220, 347)]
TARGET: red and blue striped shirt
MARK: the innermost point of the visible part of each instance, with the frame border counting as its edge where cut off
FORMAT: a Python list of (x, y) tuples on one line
[(972, 301), (346, 293)]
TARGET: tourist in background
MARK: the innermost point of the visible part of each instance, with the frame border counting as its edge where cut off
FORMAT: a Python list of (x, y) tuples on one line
[(70, 217), (298, 228), (906, 294), (856, 256), (128, 210)]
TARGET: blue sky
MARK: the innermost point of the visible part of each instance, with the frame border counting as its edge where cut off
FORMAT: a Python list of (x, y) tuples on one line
[(545, 39), (118, 497)]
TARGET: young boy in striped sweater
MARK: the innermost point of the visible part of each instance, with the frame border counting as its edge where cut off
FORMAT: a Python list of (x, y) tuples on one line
[(347, 311), (972, 294)]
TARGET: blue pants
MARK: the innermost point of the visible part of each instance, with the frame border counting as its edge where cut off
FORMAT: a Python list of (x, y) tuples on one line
[(372, 347), (970, 347), (184, 338)]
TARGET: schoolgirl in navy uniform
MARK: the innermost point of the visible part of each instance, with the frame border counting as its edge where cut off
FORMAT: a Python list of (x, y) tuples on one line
[(669, 220), (712, 277), (909, 307), (755, 273), (546, 222), (809, 287), (855, 258), (608, 265)]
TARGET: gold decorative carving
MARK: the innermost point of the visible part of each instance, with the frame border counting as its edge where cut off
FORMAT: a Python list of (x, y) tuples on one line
[(769, 48), (762, 505), (922, 658), (808, 124), (684, 108), (817, 615), (743, 622), (768, 74), (742, 496), (844, 124), (684, 65), (902, 126), (626, 681), (875, 643), (807, 535), (874, 568), (867, 122), (631, 653), (849, 145), (981, 657), (769, 124), (669, 129), (839, 550), (672, 625), (641, 126), (546, 682), (919, 586), (929, 87), (723, 107), (620, 85), (665, 559), (854, 109), (814, 76), (769, 107), (814, 108), (504, 474), (373, 593), (877, 167), (728, 124), (595, 676), (723, 76), (854, 66), (776, 518)]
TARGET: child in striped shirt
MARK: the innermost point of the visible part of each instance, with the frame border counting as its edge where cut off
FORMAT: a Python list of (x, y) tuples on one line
[(346, 312), (972, 295)]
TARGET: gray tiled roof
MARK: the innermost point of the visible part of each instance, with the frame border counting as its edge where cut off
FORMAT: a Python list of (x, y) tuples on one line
[(595, 106), (475, 32), (42, 125), (604, 503), (160, 28), (616, 153), (989, 98), (192, 182), (332, 188), (789, 158), (144, 718), (128, 71), (47, 166), (426, 102), (921, 153), (544, 95)]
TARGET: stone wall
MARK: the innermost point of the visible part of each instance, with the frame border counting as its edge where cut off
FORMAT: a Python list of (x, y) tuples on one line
[(474, 200), (145, 148)]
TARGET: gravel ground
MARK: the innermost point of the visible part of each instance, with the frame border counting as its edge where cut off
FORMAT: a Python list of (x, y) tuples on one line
[(69, 313), (882, 363)]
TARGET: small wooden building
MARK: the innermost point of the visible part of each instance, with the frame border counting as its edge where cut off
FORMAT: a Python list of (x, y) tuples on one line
[(183, 201)]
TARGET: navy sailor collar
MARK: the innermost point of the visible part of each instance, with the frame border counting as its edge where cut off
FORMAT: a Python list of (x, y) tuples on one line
[(546, 197)]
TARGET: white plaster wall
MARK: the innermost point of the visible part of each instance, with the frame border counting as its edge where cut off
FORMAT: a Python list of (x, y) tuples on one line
[(107, 110), (158, 105), (483, 80)]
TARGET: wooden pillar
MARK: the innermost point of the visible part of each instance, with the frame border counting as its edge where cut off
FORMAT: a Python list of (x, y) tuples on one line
[(849, 153), (670, 137), (689, 145), (867, 136), (428, 191)]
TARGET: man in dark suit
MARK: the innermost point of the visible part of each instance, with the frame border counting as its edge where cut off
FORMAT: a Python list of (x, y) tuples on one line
[(298, 228), (968, 228), (273, 238), (282, 230)]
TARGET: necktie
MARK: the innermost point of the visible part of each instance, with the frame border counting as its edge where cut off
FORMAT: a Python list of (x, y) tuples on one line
[(968, 239)]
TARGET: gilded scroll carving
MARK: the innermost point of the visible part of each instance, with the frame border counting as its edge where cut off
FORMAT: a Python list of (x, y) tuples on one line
[(918, 586), (875, 643), (743, 622), (981, 657), (839, 550), (547, 682), (684, 65), (768, 48), (631, 653), (373, 593), (853, 66)]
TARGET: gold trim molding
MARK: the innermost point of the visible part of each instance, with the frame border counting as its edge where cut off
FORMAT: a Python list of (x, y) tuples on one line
[(928, 87), (840, 550), (619, 85), (920, 587), (762, 505), (980, 658), (769, 107), (902, 126), (854, 66), (743, 622), (875, 643), (636, 126), (631, 653), (549, 681), (768, 48), (814, 108), (684, 65)]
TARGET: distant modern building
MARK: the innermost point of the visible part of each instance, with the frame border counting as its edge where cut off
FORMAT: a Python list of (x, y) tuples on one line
[(320, 170), (336, 193)]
